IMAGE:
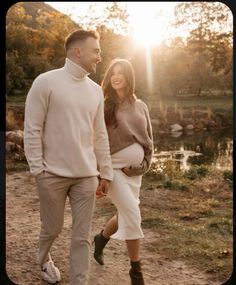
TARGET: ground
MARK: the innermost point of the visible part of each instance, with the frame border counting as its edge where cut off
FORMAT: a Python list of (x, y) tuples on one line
[(23, 223)]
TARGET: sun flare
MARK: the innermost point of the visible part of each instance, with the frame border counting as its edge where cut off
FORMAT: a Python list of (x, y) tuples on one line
[(147, 34), (148, 26), (149, 22)]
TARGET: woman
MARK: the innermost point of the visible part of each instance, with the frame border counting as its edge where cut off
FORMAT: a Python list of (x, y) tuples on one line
[(131, 144)]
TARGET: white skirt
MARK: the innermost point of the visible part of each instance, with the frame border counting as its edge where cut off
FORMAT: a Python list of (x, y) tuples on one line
[(124, 193)]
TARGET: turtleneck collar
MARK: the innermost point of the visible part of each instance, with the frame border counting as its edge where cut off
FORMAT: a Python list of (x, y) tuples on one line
[(75, 70)]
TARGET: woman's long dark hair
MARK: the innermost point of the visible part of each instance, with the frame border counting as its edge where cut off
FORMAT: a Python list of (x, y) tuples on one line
[(111, 99)]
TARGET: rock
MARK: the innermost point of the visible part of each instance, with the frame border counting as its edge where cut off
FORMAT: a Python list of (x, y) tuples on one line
[(15, 137), (198, 125), (210, 124), (10, 147), (176, 128), (189, 127), (15, 145), (15, 150)]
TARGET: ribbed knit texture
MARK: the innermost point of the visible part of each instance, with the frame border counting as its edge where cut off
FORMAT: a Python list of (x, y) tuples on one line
[(64, 130), (134, 125)]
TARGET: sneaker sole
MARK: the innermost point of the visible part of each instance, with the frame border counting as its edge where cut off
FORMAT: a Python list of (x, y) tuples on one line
[(51, 282)]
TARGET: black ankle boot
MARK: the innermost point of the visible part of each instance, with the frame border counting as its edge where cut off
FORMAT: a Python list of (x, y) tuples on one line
[(135, 273), (100, 242)]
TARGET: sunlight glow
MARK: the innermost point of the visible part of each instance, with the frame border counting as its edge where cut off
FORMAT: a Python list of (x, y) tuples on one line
[(149, 22), (149, 68), (147, 33)]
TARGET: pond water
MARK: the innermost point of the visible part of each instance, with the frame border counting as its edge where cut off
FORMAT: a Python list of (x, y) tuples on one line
[(213, 148)]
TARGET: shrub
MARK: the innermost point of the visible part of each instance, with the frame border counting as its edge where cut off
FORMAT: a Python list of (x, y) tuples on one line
[(228, 175), (196, 172), (175, 184)]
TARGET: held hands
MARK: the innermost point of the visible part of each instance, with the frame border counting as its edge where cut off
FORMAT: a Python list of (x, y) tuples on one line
[(102, 189)]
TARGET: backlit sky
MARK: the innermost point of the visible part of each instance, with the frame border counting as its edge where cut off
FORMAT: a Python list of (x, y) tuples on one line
[(149, 21)]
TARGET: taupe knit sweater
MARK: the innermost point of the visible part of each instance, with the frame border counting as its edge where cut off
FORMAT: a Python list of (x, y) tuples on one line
[(134, 125)]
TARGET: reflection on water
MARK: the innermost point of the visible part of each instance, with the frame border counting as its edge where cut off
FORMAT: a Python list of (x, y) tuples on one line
[(181, 156), (209, 148), (224, 160)]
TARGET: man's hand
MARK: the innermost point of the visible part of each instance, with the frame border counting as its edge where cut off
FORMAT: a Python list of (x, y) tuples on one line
[(102, 189)]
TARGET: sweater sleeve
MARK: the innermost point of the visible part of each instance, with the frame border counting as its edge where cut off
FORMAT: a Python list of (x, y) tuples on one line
[(35, 113), (148, 152), (101, 144), (135, 170)]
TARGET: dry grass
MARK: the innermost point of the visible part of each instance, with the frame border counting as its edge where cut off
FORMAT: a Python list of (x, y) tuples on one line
[(14, 116), (194, 225)]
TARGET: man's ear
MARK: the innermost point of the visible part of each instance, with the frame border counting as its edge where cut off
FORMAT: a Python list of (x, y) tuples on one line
[(77, 52)]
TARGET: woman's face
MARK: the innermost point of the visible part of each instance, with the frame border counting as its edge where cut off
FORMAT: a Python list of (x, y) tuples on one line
[(118, 80)]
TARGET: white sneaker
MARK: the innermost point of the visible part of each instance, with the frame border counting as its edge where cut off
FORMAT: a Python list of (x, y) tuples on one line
[(50, 273)]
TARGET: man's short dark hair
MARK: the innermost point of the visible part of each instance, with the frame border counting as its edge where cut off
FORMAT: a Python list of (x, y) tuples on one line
[(79, 35)]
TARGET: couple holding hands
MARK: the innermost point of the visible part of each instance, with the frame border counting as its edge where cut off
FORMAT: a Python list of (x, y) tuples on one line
[(84, 141)]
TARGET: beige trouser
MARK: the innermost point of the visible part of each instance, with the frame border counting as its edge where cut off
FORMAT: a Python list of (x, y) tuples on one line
[(53, 191)]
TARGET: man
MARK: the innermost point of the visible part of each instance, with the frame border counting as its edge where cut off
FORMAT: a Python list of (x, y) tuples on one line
[(67, 148)]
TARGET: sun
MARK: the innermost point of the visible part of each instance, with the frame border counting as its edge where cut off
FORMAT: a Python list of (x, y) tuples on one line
[(147, 34), (149, 22)]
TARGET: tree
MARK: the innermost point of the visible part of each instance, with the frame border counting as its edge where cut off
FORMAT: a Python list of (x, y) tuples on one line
[(17, 45), (210, 37), (34, 43), (110, 15), (117, 18)]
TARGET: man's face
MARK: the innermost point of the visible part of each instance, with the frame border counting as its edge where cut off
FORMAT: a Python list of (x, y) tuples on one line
[(90, 54)]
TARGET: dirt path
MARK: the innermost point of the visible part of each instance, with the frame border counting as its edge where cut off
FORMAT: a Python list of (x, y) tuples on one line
[(22, 237)]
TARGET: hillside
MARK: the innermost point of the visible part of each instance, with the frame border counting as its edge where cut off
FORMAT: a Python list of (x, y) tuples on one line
[(34, 8), (35, 35)]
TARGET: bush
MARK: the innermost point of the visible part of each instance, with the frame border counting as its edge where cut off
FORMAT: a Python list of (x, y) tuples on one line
[(228, 175), (175, 184), (196, 172)]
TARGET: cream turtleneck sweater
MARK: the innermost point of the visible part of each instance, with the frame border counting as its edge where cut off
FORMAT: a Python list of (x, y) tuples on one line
[(64, 128)]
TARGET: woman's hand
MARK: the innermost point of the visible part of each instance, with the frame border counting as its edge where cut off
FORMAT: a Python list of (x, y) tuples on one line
[(102, 189), (134, 170)]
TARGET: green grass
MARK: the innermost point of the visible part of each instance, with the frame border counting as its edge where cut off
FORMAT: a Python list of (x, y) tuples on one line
[(18, 98)]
